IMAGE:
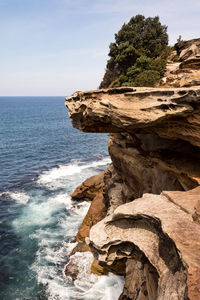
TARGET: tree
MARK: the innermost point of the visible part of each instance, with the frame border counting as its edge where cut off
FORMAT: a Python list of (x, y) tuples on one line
[(140, 45)]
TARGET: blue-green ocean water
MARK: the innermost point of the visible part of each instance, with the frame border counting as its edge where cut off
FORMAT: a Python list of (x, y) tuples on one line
[(42, 160)]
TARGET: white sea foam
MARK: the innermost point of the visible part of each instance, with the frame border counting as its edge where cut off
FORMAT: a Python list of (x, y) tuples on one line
[(53, 177), (40, 212), (83, 261), (18, 197), (53, 251), (58, 172), (52, 220), (52, 255), (87, 286), (90, 286), (105, 288)]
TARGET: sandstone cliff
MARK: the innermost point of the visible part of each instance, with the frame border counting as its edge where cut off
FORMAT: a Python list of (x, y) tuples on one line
[(147, 223), (183, 66)]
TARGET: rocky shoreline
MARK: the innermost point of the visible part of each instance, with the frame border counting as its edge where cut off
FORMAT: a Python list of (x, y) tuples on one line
[(144, 218)]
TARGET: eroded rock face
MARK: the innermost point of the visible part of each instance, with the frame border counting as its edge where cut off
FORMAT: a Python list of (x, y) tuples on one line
[(170, 113), (89, 188), (185, 72), (155, 148), (150, 192), (153, 232)]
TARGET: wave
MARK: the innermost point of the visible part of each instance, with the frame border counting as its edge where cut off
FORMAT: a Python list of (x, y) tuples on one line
[(71, 169), (18, 197), (53, 252), (40, 211), (87, 286), (46, 226), (54, 177), (105, 288)]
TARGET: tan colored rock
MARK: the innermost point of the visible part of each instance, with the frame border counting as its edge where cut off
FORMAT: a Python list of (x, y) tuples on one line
[(189, 50), (185, 72), (190, 80), (147, 163), (154, 241), (89, 188), (151, 150), (97, 269), (80, 247), (96, 212), (141, 281), (157, 233), (171, 113), (188, 201)]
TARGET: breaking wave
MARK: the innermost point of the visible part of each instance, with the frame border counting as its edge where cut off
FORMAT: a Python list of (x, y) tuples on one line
[(54, 178), (46, 223), (18, 197)]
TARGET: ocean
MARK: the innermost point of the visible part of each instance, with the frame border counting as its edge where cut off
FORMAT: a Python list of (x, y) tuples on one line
[(42, 159)]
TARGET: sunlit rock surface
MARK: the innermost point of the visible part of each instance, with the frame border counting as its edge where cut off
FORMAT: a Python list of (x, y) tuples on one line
[(183, 66), (150, 192), (158, 236)]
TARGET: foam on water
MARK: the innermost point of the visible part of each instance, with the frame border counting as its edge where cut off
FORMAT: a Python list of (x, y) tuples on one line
[(18, 197), (38, 219), (59, 172), (86, 286), (58, 286), (90, 286), (48, 222), (54, 178), (105, 288), (39, 211)]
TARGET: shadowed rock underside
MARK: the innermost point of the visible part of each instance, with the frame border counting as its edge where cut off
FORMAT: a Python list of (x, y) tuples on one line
[(150, 192)]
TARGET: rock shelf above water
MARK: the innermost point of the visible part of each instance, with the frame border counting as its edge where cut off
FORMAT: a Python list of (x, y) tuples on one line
[(171, 113), (151, 191)]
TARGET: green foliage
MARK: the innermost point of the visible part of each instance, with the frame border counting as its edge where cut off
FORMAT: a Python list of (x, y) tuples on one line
[(147, 78), (175, 58), (109, 77), (166, 52), (140, 46)]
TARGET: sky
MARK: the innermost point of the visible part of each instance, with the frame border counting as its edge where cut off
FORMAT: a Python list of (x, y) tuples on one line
[(57, 47)]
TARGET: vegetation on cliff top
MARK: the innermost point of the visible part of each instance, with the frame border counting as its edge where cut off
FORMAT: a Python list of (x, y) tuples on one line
[(138, 55)]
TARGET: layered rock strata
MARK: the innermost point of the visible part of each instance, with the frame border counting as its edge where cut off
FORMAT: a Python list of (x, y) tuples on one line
[(158, 238), (150, 192), (90, 190), (183, 65)]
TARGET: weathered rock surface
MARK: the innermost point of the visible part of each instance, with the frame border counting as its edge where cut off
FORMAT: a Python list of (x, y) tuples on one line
[(152, 231), (188, 201), (185, 72), (150, 195), (89, 188), (96, 212), (170, 113)]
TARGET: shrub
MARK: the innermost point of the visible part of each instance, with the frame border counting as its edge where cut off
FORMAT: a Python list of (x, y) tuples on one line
[(147, 78), (140, 45)]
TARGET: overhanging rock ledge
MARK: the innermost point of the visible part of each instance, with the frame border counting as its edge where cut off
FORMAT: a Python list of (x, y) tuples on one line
[(151, 190)]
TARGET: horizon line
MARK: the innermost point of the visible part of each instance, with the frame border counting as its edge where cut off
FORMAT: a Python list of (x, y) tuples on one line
[(34, 96)]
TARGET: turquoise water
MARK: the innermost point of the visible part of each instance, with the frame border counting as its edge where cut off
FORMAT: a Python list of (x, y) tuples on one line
[(42, 160)]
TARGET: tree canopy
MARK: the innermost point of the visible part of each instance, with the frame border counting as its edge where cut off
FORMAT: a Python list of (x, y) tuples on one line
[(138, 55)]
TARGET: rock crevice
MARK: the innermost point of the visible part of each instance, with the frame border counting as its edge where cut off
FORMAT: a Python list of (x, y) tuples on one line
[(144, 219)]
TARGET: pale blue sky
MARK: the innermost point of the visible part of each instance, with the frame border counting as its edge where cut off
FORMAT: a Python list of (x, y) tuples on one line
[(56, 47)]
